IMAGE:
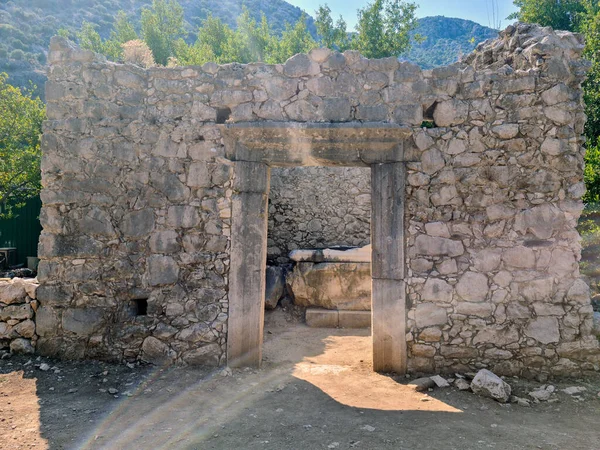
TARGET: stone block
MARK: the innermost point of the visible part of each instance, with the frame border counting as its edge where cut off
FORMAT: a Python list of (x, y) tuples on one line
[(473, 287), (322, 318), (428, 314), (161, 270), (332, 285), (82, 322), (354, 319), (12, 292)]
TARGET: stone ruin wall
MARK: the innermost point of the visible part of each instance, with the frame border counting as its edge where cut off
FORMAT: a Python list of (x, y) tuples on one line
[(318, 207), (137, 199)]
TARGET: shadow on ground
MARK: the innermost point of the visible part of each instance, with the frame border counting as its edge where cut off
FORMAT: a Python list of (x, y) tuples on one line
[(315, 391)]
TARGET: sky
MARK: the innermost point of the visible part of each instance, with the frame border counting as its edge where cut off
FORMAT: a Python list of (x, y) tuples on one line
[(476, 10)]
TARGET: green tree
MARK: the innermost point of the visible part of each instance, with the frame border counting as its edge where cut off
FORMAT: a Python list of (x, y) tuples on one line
[(214, 37), (21, 118), (331, 35), (162, 25), (383, 28), (122, 32), (89, 38), (558, 14), (295, 39)]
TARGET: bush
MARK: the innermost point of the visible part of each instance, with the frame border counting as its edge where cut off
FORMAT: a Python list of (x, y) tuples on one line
[(17, 55), (137, 52)]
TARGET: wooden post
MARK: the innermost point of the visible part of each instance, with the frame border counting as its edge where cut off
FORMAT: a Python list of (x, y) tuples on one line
[(387, 267), (248, 264)]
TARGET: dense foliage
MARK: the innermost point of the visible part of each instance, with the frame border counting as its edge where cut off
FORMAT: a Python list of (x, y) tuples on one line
[(26, 26), (21, 118), (383, 30), (445, 40), (582, 16)]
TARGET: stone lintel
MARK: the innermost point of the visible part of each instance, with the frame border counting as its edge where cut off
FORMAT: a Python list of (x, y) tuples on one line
[(287, 144)]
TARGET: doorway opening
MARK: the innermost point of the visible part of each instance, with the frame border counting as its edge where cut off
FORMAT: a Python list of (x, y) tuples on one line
[(256, 148)]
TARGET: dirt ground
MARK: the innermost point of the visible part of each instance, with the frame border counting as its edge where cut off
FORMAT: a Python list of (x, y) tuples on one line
[(315, 390)]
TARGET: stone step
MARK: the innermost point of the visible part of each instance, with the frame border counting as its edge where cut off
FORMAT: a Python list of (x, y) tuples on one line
[(331, 318)]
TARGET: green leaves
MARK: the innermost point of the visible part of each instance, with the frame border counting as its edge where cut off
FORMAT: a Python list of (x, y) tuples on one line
[(21, 119), (383, 28)]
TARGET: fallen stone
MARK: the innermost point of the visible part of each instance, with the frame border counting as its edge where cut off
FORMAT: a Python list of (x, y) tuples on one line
[(439, 381), (488, 384), (275, 285), (422, 384), (113, 391), (462, 385), (44, 367), (542, 394), (573, 390), (520, 401)]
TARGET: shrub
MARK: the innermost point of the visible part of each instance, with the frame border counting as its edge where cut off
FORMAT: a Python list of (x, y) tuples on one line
[(137, 52)]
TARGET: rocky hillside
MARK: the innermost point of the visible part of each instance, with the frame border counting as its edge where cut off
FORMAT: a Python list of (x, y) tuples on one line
[(26, 27), (446, 40)]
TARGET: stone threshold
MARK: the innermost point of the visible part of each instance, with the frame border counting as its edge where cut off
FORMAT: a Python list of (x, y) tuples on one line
[(329, 318)]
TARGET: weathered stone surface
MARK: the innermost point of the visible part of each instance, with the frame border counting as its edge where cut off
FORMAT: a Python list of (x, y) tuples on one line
[(490, 385), (275, 286), (156, 352), (436, 246), (428, 314), (437, 291), (472, 287), (544, 330), (12, 292), (83, 322), (332, 285), (162, 270), (22, 346), (207, 355)]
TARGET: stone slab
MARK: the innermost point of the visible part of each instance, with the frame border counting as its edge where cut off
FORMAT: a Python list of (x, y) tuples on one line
[(354, 319), (322, 318)]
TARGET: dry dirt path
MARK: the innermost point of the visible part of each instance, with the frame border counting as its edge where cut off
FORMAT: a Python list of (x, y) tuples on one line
[(315, 391)]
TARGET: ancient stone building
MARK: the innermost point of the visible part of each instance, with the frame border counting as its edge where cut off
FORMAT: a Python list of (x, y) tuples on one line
[(156, 187)]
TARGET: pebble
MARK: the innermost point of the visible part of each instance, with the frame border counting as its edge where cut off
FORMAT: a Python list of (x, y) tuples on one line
[(113, 391), (44, 367), (334, 445), (367, 428)]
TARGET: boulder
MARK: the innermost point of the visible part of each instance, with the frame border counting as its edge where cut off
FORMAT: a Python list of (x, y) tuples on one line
[(487, 384), (156, 352), (275, 286)]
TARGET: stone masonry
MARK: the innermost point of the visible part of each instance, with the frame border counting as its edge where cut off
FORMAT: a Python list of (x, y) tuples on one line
[(318, 207), (137, 211), (18, 306)]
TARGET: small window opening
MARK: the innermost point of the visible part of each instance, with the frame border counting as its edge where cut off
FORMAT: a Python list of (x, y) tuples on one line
[(223, 114), (140, 306)]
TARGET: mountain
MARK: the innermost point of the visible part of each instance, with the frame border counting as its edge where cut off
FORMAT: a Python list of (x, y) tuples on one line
[(26, 27), (445, 40)]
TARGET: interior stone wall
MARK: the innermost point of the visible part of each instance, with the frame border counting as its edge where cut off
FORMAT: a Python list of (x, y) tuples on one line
[(137, 199), (318, 207)]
